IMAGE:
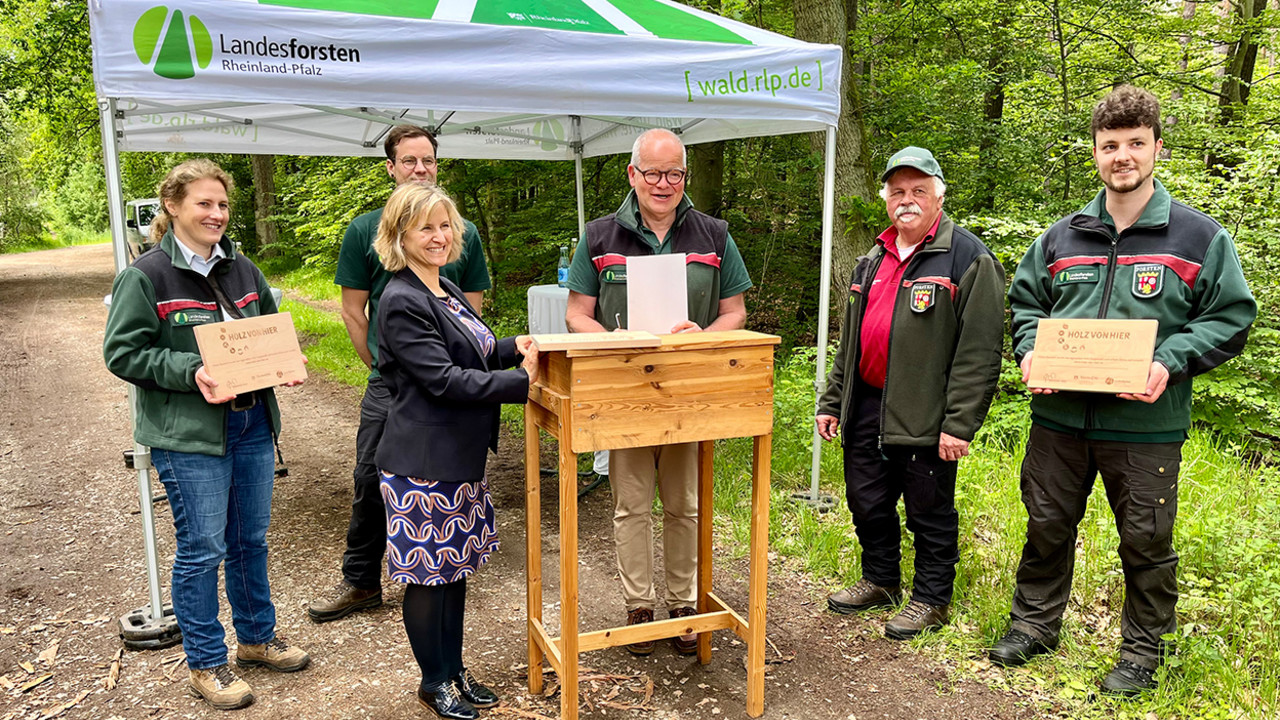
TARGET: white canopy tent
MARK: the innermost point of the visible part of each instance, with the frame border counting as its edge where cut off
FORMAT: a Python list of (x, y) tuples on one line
[(496, 79)]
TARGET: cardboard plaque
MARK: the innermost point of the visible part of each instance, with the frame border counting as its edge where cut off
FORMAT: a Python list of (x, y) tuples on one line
[(251, 354), (596, 341), (1106, 356)]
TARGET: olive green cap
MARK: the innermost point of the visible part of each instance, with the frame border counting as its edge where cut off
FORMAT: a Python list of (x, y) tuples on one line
[(912, 157)]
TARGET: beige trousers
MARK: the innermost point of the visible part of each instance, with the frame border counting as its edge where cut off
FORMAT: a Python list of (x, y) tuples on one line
[(632, 477)]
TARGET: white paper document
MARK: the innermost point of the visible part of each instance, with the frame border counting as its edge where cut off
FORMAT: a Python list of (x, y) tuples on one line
[(657, 293)]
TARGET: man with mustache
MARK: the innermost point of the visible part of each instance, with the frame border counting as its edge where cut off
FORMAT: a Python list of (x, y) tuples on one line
[(1132, 252), (912, 381)]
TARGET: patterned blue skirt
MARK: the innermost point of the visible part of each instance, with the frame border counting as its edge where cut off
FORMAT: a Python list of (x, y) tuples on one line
[(437, 532)]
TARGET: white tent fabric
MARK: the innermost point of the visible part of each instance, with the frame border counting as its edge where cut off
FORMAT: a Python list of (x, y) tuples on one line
[(497, 79), (279, 77)]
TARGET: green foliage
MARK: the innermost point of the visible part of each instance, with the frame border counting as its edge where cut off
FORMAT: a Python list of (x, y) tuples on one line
[(325, 343), (20, 213)]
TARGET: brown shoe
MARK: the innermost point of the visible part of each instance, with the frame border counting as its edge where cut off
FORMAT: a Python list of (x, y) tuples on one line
[(864, 595), (346, 599), (221, 688), (637, 617), (916, 618), (685, 644), (276, 655)]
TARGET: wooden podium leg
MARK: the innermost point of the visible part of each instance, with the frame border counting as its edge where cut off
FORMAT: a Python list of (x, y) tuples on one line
[(705, 483), (568, 582), (759, 564), (533, 545)]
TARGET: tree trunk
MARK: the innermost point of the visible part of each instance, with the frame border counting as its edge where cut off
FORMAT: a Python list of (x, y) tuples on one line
[(1237, 80), (993, 113), (264, 200), (706, 164), (706, 177), (831, 21)]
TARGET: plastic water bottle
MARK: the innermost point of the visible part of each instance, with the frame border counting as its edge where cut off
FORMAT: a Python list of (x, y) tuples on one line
[(562, 269)]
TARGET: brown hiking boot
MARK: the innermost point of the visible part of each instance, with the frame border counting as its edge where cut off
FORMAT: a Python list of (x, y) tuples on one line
[(275, 655), (685, 644), (221, 688), (637, 617), (916, 618), (863, 595), (345, 600)]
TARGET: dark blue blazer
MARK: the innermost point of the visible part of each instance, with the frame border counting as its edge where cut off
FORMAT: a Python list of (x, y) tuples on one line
[(445, 395)]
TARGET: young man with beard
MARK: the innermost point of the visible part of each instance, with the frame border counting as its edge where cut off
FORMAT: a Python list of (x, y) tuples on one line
[(1132, 252)]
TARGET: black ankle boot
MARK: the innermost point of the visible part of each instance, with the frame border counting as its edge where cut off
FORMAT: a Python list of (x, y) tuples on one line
[(445, 700), (475, 693)]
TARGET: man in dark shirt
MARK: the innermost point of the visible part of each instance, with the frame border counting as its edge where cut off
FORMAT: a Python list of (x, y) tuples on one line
[(411, 158)]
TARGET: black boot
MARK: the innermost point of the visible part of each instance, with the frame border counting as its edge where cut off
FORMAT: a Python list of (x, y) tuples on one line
[(1128, 679), (474, 693), (1016, 648), (445, 700)]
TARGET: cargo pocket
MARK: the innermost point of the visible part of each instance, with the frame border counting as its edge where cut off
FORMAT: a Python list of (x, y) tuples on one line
[(1153, 494)]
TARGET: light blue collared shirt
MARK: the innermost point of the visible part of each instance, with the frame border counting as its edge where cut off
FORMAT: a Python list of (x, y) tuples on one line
[(202, 266), (198, 263)]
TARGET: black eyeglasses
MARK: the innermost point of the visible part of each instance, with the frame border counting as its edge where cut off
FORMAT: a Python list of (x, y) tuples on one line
[(674, 177)]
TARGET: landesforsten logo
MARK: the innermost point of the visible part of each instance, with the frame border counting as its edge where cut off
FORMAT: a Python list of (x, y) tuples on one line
[(174, 51)]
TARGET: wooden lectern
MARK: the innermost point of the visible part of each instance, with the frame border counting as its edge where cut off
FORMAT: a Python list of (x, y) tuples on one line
[(696, 387)]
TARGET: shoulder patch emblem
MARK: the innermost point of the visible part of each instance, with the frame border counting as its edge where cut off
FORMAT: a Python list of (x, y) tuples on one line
[(1148, 279), (923, 296)]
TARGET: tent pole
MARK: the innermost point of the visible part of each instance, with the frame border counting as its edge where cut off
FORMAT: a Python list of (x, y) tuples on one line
[(147, 627), (824, 305), (141, 453), (577, 175)]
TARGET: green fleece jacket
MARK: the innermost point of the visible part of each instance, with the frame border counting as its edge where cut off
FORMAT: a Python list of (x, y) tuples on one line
[(156, 303), (1175, 265), (944, 343)]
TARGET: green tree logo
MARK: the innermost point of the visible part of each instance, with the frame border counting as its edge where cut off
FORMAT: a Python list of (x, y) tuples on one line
[(173, 46), (543, 128)]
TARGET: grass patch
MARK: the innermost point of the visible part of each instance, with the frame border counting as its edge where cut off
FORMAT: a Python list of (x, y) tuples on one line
[(312, 281), (1227, 534), (325, 342), (47, 241)]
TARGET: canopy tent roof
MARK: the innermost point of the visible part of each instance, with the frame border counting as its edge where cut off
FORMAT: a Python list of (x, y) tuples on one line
[(504, 79)]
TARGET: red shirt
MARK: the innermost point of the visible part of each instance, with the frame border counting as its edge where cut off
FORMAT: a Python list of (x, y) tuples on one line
[(877, 318)]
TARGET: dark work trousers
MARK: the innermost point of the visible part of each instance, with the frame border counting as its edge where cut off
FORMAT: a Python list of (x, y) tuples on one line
[(1141, 480), (874, 479), (367, 533)]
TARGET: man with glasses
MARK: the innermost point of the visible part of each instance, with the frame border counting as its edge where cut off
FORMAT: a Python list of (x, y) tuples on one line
[(411, 158), (655, 219)]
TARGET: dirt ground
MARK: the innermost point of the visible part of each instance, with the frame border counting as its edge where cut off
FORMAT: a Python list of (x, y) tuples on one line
[(73, 562)]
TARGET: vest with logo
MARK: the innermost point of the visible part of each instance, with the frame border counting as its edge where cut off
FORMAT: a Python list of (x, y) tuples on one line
[(701, 237)]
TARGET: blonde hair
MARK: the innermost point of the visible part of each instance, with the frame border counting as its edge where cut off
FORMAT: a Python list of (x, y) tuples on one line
[(410, 205), (174, 189)]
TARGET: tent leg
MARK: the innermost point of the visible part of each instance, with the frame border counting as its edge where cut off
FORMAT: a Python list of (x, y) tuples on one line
[(152, 626), (577, 175), (823, 502)]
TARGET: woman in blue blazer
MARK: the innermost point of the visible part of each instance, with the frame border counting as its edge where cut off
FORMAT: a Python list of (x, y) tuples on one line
[(447, 376)]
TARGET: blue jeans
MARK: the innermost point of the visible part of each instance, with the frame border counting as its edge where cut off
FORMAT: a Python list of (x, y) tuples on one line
[(221, 508)]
